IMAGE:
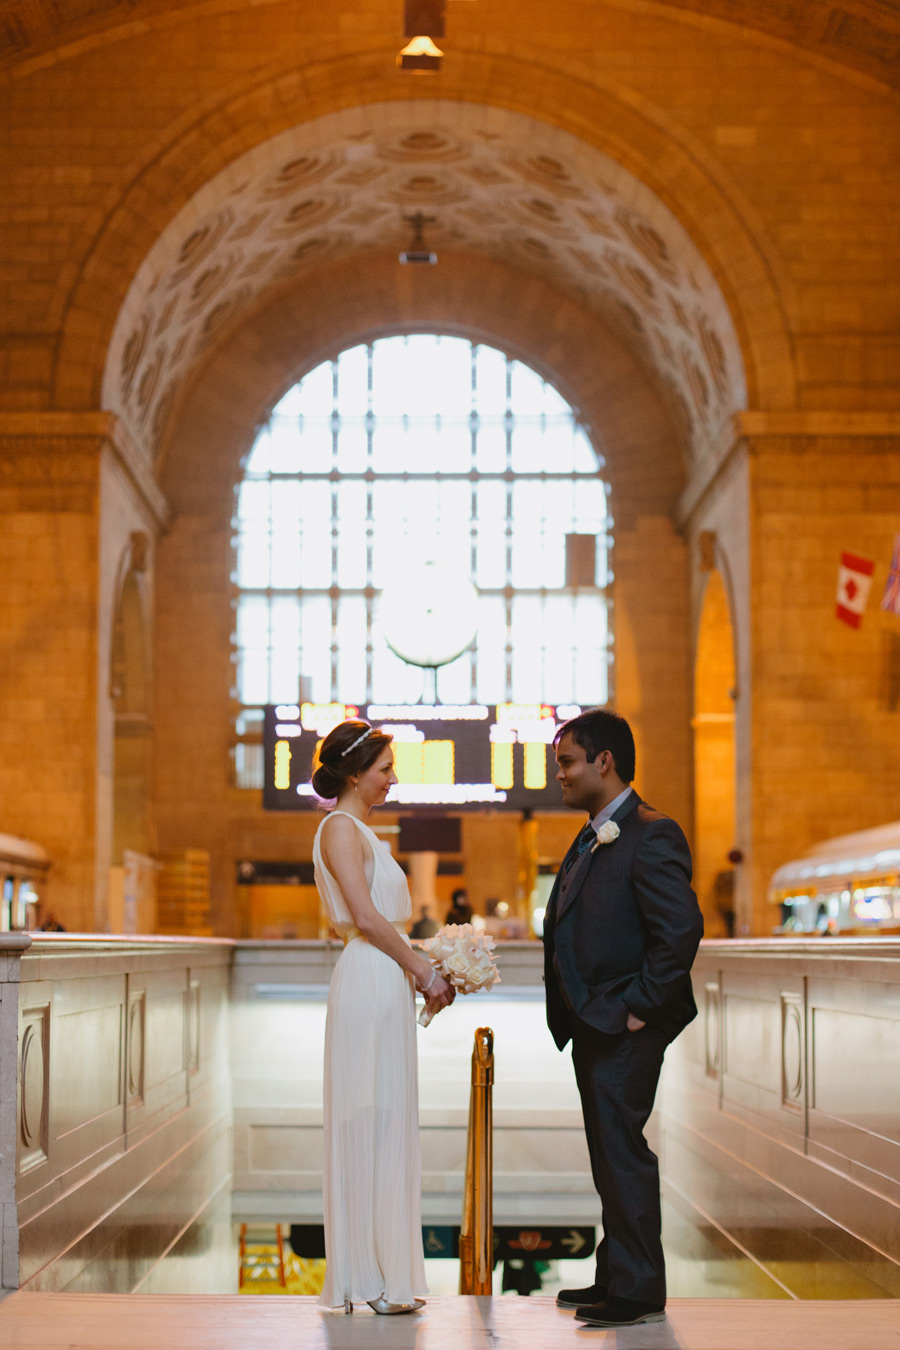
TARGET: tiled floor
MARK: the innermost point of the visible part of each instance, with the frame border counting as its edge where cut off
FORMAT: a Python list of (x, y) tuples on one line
[(132, 1322)]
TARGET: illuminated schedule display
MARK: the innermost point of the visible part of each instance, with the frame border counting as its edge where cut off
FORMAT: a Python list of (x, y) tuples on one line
[(455, 757)]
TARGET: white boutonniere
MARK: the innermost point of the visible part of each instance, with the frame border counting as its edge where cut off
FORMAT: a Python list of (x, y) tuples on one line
[(608, 833)]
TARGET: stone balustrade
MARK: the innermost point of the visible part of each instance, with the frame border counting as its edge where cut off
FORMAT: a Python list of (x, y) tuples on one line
[(116, 1121)]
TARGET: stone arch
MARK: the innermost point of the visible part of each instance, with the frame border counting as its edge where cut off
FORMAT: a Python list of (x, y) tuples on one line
[(685, 180), (367, 296), (213, 426), (715, 676)]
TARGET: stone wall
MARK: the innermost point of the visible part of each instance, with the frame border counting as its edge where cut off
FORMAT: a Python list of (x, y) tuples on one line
[(685, 220)]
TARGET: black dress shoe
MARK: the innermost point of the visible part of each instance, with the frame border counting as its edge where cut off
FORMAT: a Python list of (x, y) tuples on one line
[(621, 1312), (578, 1298)]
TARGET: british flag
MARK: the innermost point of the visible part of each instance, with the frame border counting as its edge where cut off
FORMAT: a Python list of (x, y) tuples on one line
[(891, 598)]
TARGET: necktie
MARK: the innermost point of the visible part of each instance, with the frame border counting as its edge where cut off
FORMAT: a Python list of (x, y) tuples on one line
[(582, 843)]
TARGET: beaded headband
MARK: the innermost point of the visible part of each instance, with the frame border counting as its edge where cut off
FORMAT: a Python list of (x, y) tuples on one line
[(359, 740)]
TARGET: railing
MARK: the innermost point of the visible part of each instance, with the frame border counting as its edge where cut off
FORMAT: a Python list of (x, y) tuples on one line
[(476, 1238)]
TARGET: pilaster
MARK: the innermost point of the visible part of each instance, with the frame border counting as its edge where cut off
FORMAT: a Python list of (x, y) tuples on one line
[(73, 492)]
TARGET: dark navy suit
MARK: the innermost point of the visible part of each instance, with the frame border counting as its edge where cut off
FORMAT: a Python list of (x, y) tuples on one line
[(620, 935)]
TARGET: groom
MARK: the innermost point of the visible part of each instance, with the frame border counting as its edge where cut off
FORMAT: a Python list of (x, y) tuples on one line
[(620, 934)]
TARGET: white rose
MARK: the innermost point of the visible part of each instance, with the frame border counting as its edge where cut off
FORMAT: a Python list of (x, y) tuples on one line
[(607, 833), (477, 977), (457, 964)]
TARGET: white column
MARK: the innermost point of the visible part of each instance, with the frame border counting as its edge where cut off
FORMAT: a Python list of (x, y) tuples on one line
[(422, 883)]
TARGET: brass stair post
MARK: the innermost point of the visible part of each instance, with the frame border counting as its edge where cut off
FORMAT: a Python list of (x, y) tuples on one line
[(476, 1238)]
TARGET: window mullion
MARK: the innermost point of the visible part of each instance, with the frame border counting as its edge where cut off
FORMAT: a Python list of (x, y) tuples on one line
[(473, 504), (508, 530), (335, 610), (370, 526)]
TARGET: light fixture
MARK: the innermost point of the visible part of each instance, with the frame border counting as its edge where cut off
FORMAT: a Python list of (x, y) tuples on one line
[(418, 252), (423, 21), (420, 53)]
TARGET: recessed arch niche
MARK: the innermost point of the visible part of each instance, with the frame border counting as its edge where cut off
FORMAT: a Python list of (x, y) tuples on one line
[(714, 759), (131, 697)]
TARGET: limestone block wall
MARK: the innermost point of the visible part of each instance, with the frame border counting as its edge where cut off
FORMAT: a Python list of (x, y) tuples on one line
[(72, 495), (826, 697), (817, 731), (775, 154), (48, 675)]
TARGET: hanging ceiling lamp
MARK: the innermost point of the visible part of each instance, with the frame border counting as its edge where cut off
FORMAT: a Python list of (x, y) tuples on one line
[(423, 22), (418, 251)]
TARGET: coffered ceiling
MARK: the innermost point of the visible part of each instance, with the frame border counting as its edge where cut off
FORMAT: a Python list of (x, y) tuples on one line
[(493, 181)]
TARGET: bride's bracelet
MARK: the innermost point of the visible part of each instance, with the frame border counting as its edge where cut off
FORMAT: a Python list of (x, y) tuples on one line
[(423, 989)]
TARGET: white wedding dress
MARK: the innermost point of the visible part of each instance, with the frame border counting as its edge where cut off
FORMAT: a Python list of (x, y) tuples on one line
[(372, 1165)]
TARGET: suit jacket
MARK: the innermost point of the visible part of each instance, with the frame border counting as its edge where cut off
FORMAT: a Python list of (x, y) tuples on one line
[(623, 925)]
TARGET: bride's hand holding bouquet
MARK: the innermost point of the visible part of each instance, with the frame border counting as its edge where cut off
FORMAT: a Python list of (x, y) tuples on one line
[(437, 992), (463, 957)]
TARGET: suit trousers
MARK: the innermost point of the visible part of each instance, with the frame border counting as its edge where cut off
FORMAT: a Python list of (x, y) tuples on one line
[(617, 1076)]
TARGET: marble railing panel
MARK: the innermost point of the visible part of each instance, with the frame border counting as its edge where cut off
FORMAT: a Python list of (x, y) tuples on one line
[(124, 1105), (12, 947), (810, 1072), (790, 1063), (859, 1082), (113, 1228)]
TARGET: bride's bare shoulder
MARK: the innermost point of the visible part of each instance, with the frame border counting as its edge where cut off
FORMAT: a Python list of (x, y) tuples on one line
[(339, 822), (338, 831)]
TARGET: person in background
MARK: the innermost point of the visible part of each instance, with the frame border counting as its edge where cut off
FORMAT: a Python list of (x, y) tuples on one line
[(425, 926), (52, 925), (460, 910), (723, 891)]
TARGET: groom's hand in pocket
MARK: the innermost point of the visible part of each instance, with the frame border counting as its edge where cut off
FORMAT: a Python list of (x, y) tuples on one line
[(634, 1023)]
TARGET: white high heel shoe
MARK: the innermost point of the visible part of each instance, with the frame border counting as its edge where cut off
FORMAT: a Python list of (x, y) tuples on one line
[(386, 1309)]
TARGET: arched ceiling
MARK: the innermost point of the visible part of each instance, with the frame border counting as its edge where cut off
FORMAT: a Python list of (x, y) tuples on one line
[(862, 35), (494, 182)]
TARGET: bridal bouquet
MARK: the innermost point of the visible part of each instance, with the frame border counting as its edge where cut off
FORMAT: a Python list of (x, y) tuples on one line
[(464, 957)]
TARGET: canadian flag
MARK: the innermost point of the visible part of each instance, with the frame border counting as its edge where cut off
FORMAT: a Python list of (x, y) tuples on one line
[(854, 584)]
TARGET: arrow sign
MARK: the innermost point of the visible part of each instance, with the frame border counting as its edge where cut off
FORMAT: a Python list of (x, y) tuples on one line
[(543, 1244), (442, 1240)]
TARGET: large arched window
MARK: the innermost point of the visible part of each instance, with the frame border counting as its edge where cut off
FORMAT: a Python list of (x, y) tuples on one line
[(403, 451)]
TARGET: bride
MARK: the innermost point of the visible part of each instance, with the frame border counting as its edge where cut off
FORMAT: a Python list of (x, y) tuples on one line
[(372, 1164)]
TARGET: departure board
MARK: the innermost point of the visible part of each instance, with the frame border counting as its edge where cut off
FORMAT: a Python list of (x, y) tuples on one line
[(452, 757)]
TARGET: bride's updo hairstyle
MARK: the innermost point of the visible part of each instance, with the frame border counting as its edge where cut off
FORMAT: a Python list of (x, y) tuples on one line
[(340, 759)]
